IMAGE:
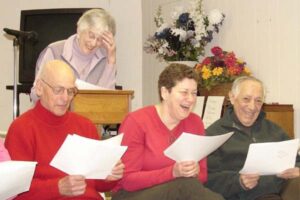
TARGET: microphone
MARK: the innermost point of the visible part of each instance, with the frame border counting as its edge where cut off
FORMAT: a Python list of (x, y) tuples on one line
[(29, 35)]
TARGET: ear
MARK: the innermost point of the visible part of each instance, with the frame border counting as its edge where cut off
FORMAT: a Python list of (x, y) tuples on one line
[(78, 31), (231, 97), (38, 88), (164, 93)]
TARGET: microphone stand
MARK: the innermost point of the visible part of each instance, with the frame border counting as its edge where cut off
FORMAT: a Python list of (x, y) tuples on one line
[(15, 48), (19, 36)]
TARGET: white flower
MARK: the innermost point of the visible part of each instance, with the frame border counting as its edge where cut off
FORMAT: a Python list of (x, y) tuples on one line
[(190, 34), (215, 16), (200, 29), (195, 42), (165, 45), (186, 35), (180, 32), (198, 37), (161, 50)]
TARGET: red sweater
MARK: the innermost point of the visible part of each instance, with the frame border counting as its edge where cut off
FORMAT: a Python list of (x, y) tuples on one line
[(147, 137), (36, 136)]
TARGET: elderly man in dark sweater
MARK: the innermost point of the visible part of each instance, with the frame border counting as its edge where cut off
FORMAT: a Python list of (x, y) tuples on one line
[(248, 122)]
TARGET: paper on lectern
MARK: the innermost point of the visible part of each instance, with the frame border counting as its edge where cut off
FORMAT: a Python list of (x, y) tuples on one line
[(82, 85)]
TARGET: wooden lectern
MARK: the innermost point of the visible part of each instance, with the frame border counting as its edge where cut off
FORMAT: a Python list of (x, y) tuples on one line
[(103, 106), (282, 115)]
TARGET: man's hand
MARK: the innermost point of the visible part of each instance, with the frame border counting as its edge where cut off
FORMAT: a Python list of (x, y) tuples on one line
[(290, 173), (72, 185), (249, 181)]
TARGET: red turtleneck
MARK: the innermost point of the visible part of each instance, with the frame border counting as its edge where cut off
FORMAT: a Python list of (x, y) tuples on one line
[(36, 136)]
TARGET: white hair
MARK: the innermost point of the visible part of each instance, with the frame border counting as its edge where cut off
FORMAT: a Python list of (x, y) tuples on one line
[(98, 19), (235, 89)]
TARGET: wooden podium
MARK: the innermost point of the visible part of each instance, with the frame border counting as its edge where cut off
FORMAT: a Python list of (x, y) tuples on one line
[(103, 106), (281, 114)]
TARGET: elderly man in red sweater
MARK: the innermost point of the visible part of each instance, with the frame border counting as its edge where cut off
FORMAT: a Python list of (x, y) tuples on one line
[(38, 134)]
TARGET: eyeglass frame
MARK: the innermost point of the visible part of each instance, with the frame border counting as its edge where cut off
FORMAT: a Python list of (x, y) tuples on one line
[(59, 90)]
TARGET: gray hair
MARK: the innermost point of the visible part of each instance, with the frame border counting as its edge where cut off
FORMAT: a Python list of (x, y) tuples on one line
[(98, 19), (235, 89)]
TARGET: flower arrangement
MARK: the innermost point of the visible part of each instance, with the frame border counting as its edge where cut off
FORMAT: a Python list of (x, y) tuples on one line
[(222, 67), (184, 38)]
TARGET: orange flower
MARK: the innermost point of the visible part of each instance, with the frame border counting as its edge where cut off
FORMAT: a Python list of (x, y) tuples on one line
[(222, 67)]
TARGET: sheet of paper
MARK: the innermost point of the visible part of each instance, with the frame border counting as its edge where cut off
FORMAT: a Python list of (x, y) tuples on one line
[(116, 140), (194, 147), (271, 158), (15, 178), (198, 109), (213, 110), (93, 159), (82, 85)]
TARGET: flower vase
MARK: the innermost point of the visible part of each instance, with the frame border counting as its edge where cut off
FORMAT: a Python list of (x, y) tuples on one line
[(185, 62)]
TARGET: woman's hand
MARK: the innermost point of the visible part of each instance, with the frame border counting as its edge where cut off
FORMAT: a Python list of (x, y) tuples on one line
[(290, 173), (117, 172), (249, 181), (72, 185), (186, 169), (110, 45)]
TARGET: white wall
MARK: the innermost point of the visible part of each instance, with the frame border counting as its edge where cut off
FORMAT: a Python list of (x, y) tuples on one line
[(266, 35), (128, 17)]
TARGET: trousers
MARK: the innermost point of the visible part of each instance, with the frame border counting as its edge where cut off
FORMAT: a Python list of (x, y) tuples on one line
[(178, 189), (290, 191)]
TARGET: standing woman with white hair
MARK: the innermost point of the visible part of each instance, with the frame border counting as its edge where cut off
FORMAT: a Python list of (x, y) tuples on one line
[(91, 52)]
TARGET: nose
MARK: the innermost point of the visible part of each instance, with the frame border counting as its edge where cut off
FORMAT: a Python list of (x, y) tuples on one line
[(94, 42), (252, 105), (64, 96), (191, 97)]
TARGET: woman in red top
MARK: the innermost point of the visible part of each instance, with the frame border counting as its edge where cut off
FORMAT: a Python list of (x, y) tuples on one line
[(149, 174)]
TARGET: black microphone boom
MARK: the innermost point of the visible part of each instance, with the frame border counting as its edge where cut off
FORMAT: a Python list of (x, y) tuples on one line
[(29, 35)]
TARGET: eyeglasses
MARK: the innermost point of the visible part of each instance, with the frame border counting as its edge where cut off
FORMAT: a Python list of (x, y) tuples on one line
[(60, 90)]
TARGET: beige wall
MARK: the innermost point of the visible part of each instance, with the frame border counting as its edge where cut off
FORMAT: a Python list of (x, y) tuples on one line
[(266, 35), (128, 38)]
